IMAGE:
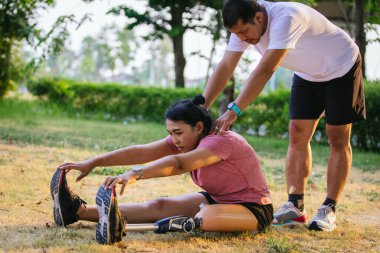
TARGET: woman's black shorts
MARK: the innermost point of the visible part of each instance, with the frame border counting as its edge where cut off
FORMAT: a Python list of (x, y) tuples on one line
[(263, 213), (340, 100)]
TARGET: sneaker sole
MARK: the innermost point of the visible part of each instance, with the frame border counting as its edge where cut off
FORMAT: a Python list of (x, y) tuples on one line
[(54, 189), (314, 226), (289, 224), (103, 203)]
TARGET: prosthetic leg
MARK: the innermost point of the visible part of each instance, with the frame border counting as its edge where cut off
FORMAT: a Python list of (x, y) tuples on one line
[(170, 224), (211, 218)]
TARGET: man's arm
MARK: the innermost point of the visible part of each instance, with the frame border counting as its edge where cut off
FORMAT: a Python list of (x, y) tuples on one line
[(253, 85), (260, 76), (220, 76)]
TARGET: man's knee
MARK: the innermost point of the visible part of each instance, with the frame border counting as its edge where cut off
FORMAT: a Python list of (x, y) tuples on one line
[(298, 134), (339, 136)]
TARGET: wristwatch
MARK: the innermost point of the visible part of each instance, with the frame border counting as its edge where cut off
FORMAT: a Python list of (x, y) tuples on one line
[(232, 106)]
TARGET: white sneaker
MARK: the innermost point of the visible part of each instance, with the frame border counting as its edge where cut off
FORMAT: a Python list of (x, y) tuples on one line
[(289, 215), (324, 220)]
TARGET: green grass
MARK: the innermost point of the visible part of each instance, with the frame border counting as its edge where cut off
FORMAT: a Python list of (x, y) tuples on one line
[(38, 123), (43, 123), (281, 245), (38, 136)]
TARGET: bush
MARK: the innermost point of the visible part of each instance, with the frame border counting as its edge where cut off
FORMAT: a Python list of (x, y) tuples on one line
[(271, 111), (114, 100), (366, 134), (150, 103), (56, 90)]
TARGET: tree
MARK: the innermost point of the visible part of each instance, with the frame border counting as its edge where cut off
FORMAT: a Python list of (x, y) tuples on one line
[(108, 51), (229, 90), (17, 24), (88, 66), (58, 65), (172, 18), (358, 18), (367, 14), (104, 52)]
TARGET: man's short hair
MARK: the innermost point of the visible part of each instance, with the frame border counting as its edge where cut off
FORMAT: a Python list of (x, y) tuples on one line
[(240, 9)]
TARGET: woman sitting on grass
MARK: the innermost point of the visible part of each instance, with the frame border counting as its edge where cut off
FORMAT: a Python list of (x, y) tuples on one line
[(236, 193)]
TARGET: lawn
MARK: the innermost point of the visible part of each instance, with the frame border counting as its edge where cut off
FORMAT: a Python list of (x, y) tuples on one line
[(35, 139)]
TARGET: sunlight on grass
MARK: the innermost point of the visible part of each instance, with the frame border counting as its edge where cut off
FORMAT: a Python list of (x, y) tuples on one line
[(38, 123), (32, 145), (281, 245)]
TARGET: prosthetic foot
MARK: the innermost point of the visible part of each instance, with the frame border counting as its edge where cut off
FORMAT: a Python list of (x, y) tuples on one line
[(177, 224)]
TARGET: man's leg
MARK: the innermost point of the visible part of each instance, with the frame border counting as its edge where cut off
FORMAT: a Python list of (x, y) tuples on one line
[(299, 159), (340, 159), (338, 169), (297, 170)]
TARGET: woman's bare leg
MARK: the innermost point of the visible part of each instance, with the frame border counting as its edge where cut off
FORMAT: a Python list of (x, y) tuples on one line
[(88, 213), (227, 218), (151, 211)]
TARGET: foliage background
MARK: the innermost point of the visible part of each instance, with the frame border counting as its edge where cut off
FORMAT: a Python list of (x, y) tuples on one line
[(270, 112)]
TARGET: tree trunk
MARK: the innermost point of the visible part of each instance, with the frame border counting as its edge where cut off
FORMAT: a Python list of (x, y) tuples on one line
[(229, 90), (210, 60), (227, 96), (5, 61), (179, 61), (177, 39), (6, 42), (360, 35)]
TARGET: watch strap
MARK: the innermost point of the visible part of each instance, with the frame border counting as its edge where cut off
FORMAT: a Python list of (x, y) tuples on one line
[(235, 108)]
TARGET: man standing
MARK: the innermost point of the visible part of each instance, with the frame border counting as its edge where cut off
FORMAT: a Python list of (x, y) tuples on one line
[(327, 81)]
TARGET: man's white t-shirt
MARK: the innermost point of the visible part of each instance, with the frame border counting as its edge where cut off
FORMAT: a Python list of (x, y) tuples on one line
[(318, 50)]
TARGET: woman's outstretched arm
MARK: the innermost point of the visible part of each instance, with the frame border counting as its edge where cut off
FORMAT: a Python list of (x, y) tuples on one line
[(166, 166), (137, 154)]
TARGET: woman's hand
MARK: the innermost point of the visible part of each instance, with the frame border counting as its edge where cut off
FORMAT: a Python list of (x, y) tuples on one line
[(124, 179), (84, 167)]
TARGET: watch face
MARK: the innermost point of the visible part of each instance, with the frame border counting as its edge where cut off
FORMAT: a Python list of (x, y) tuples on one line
[(230, 105)]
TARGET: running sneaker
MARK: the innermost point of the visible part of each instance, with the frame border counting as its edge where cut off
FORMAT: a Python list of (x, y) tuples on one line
[(289, 215), (111, 225), (324, 220), (66, 203)]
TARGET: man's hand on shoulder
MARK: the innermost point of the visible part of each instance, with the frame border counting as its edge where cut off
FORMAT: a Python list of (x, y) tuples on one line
[(224, 122)]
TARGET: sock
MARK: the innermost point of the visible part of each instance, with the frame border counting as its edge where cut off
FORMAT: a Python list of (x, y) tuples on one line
[(330, 202), (297, 200)]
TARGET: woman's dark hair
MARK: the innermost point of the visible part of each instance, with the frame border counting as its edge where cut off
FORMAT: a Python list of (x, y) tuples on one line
[(190, 112), (234, 10)]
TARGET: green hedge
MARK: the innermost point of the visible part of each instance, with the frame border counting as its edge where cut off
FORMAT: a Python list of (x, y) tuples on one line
[(366, 134), (150, 103), (115, 100), (270, 110)]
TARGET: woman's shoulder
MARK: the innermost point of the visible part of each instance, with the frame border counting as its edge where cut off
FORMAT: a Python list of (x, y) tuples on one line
[(231, 134), (223, 136)]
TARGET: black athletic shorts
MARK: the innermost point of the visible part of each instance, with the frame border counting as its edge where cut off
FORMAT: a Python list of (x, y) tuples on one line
[(340, 100), (263, 213)]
